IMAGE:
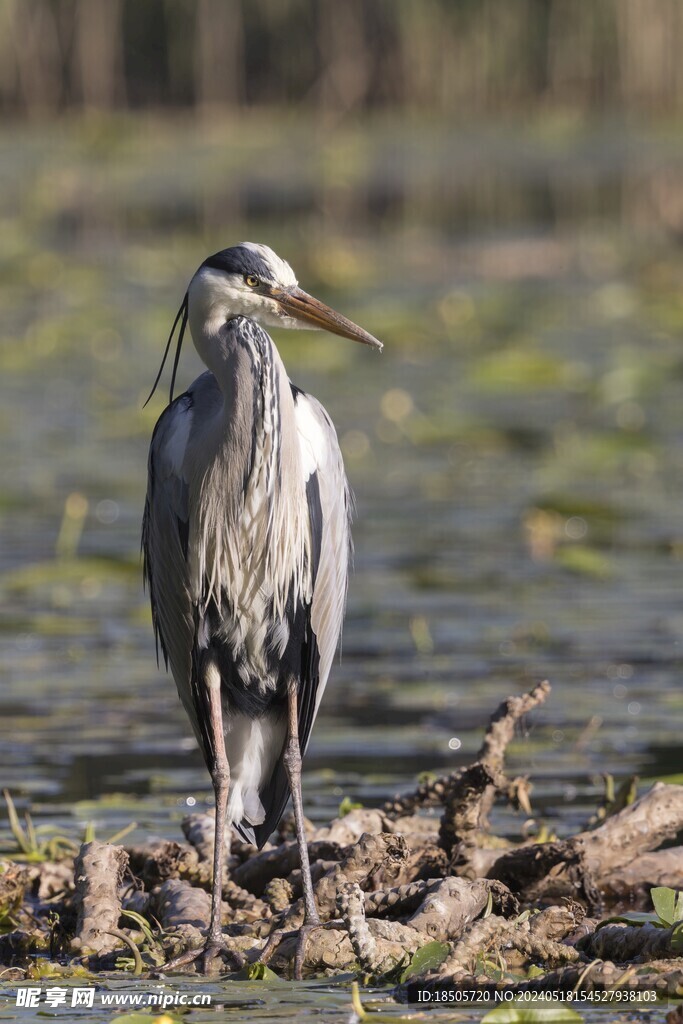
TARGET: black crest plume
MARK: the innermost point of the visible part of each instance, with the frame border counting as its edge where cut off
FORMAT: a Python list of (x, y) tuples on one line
[(181, 316)]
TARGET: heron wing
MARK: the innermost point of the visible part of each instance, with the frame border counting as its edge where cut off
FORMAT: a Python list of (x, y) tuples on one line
[(165, 532), (330, 505)]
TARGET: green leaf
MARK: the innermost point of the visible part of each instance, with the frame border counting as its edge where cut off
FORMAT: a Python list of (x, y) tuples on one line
[(523, 1013), (261, 972), (585, 561), (364, 1015), (426, 958), (255, 972), (667, 903), (358, 1007), (122, 832), (15, 825), (135, 1018), (146, 1018), (142, 923), (346, 806), (393, 975)]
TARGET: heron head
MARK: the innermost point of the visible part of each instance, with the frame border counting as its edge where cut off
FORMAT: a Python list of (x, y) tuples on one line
[(251, 280)]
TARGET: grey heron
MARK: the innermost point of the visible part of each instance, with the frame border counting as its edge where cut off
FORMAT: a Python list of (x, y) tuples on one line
[(246, 545)]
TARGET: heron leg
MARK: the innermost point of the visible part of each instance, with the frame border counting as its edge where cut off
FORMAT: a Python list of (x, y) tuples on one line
[(220, 777), (292, 762), (216, 943)]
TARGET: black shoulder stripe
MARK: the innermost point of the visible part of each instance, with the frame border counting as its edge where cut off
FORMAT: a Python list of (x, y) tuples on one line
[(315, 512), (310, 676), (184, 534)]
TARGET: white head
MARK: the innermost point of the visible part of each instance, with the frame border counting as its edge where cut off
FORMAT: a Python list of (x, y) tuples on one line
[(240, 281), (251, 280)]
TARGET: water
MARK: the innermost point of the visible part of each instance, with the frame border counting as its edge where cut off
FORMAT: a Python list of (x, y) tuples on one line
[(515, 452)]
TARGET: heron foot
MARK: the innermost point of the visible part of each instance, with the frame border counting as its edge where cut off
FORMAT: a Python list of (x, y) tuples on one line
[(301, 934), (208, 957), (301, 943)]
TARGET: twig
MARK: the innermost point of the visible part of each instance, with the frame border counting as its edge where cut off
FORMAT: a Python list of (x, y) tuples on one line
[(139, 966)]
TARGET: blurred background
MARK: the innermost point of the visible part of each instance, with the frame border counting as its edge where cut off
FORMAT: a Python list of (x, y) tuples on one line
[(493, 189)]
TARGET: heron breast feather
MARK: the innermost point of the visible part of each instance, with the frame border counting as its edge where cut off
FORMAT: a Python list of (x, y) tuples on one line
[(255, 568)]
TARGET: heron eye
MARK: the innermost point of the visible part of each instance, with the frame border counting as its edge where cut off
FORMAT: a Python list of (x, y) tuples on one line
[(252, 280)]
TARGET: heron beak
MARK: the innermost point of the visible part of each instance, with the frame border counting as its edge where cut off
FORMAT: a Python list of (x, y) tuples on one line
[(301, 306)]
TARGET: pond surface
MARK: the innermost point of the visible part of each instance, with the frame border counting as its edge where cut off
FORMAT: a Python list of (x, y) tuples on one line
[(516, 452)]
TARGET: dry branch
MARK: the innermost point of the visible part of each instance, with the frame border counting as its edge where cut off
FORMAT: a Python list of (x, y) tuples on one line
[(450, 907), (198, 829), (643, 826), (431, 793), (503, 723), (582, 864), (14, 880), (622, 942), (373, 860), (351, 905), (470, 793), (183, 911), (172, 860), (279, 895), (348, 830), (279, 862), (98, 873), (634, 880)]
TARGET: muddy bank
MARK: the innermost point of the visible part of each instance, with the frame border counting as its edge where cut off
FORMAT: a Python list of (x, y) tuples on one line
[(418, 892)]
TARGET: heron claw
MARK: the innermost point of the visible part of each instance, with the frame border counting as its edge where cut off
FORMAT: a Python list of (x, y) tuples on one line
[(301, 942), (207, 955), (278, 936)]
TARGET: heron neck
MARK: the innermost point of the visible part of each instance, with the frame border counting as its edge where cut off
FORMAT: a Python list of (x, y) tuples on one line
[(217, 347), (242, 358)]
